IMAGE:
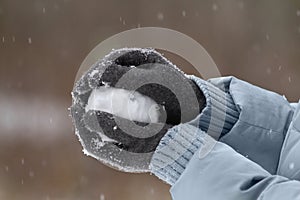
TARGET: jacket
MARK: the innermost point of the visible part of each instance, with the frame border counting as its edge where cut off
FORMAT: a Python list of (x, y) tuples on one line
[(258, 158)]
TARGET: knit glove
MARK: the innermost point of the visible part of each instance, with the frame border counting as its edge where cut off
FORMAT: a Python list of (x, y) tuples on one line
[(122, 143)]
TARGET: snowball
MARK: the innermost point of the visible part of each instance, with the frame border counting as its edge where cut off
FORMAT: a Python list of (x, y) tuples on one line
[(124, 103)]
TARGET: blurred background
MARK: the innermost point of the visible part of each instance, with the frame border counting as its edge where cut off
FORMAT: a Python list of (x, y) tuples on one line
[(42, 44)]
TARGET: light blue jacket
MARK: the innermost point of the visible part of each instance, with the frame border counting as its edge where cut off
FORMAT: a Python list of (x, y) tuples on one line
[(259, 158)]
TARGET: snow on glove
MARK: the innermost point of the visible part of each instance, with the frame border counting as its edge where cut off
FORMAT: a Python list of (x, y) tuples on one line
[(124, 140), (128, 141)]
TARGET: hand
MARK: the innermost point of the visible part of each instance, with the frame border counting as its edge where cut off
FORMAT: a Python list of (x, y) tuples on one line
[(149, 74)]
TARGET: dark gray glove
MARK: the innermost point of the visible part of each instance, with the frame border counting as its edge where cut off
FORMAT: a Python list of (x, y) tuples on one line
[(146, 64), (131, 144)]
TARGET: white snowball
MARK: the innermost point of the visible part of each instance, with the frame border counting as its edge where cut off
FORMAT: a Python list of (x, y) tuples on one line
[(124, 103)]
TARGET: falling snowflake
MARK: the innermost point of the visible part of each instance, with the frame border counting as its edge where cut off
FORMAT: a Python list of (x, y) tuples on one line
[(31, 174), (152, 191), (270, 131), (44, 163), (160, 16), (102, 197), (215, 7), (241, 4), (291, 166)]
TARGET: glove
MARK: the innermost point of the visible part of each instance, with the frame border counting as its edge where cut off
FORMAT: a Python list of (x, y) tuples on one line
[(150, 64), (126, 144)]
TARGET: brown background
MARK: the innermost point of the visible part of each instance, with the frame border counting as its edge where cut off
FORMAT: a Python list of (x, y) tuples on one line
[(42, 44)]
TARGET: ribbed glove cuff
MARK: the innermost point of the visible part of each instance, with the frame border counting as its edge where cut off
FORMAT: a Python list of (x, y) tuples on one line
[(220, 113), (181, 142), (174, 152)]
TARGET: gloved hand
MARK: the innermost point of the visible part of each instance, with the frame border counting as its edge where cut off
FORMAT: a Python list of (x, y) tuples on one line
[(123, 143), (149, 65)]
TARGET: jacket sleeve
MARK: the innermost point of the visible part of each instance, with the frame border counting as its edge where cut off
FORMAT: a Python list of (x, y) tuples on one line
[(243, 164), (264, 120), (248, 174), (225, 174)]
